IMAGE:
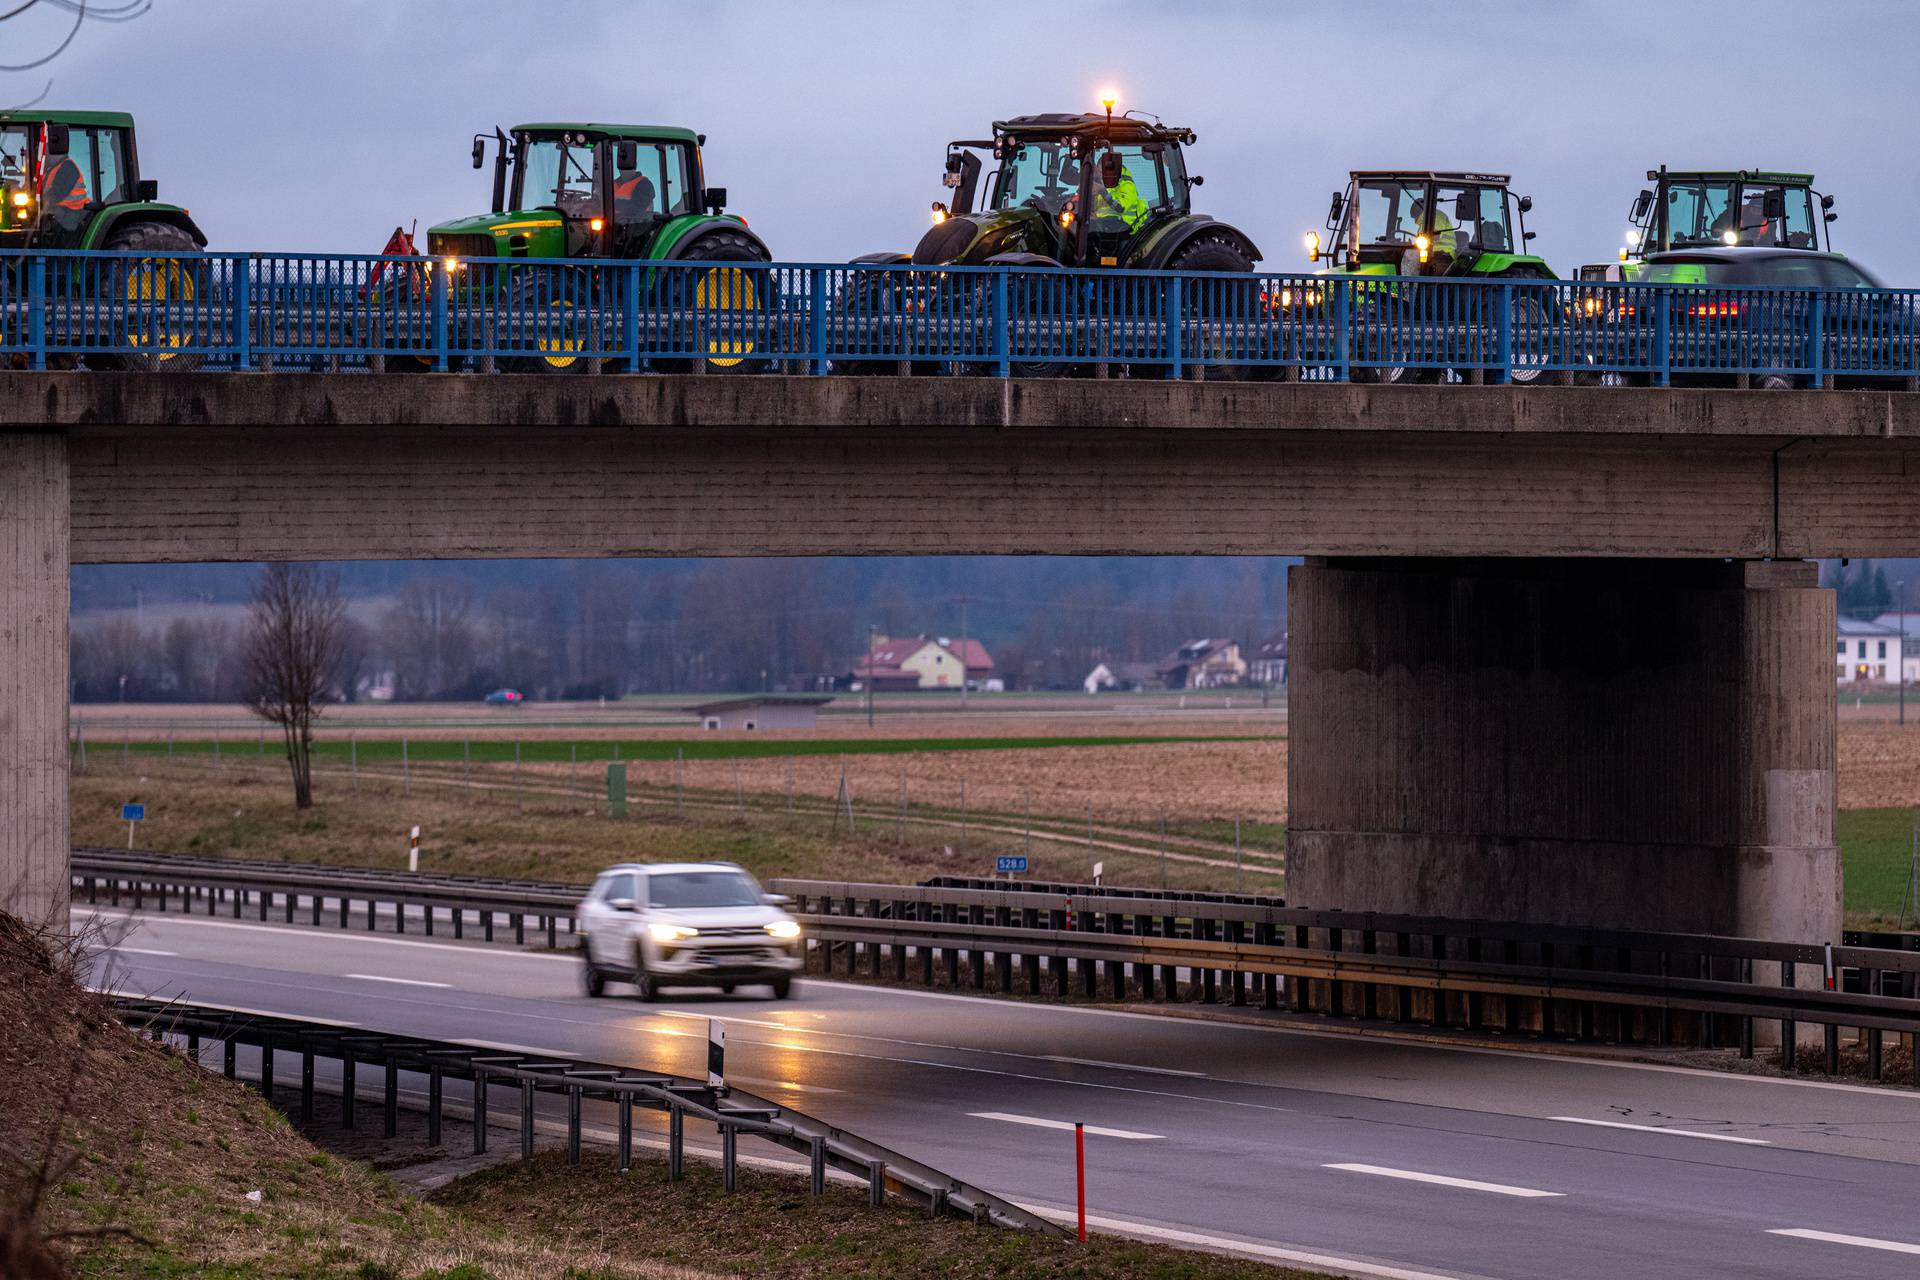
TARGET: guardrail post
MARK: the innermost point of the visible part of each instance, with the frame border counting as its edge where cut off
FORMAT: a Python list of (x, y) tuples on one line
[(1176, 336), (1343, 328), (1788, 1032), (817, 1165), (729, 1158), (438, 282), (434, 1084), (630, 318), (306, 1083), (817, 320), (1503, 335), (573, 1125), (229, 1064), (1817, 340), (877, 1183), (624, 1101), (243, 312), (526, 1119), (37, 314), (1662, 336), (266, 1069), (676, 1142), (1002, 364), (390, 1117), (347, 1087)]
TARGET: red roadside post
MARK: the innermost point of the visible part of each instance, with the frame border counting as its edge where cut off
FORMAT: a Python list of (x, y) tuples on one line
[(1080, 1173)]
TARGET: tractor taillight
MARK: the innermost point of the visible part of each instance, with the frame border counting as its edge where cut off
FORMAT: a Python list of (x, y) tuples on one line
[(1714, 310)]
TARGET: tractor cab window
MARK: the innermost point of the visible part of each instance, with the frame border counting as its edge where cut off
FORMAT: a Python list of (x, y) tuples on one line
[(13, 158), (1387, 212), (1471, 220), (1698, 212), (1792, 228), (656, 187), (1043, 172), (1151, 178), (556, 172)]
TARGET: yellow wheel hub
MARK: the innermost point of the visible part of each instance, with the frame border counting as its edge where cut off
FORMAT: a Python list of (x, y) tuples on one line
[(151, 281), (560, 349), (726, 289)]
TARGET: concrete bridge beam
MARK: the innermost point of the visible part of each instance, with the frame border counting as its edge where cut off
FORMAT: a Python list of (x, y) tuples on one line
[(1621, 744), (33, 676)]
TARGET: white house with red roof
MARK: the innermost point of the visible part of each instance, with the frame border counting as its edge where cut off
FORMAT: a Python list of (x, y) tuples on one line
[(920, 662)]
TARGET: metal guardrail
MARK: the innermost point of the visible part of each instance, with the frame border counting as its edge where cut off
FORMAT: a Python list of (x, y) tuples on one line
[(1480, 975), (385, 313), (490, 1070), (1584, 984)]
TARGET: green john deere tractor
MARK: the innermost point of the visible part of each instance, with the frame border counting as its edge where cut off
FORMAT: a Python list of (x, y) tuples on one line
[(71, 180), (600, 192), (1429, 224), (1700, 208), (1071, 190)]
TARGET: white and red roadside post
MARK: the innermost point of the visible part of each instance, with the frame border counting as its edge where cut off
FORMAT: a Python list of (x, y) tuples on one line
[(413, 850), (716, 1055)]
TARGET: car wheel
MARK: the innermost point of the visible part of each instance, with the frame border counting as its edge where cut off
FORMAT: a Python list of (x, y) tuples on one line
[(726, 988), (592, 980), (644, 987), (782, 987)]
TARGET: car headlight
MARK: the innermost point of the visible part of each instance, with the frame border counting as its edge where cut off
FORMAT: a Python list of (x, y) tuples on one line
[(665, 933), (786, 930)]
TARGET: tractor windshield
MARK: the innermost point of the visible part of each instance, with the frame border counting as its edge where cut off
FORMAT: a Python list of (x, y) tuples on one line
[(655, 187), (1044, 170), (1471, 220), (13, 156), (555, 171), (1388, 212), (1790, 225), (1698, 212), (1152, 178)]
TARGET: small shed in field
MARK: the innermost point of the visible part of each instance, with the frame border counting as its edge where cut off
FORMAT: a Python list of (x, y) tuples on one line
[(769, 711)]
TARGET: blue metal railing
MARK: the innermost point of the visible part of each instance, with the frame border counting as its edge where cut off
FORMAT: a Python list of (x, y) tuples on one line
[(265, 311)]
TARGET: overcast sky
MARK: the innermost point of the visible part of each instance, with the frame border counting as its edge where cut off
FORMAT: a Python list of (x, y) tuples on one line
[(320, 124)]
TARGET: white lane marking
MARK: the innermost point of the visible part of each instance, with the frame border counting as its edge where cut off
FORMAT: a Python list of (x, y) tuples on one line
[(137, 951), (1122, 1066), (723, 1017), (338, 935), (519, 1048), (1440, 1180), (1231, 1245), (1039, 1123), (1654, 1128), (1861, 1242), (764, 1083), (405, 982)]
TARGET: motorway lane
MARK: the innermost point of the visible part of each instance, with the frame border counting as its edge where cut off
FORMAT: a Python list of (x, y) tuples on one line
[(1246, 1122)]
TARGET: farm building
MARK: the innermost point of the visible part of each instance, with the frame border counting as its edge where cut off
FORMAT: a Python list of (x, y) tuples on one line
[(769, 711), (917, 662), (1269, 664), (1907, 623), (1867, 652), (1127, 677), (1203, 664)]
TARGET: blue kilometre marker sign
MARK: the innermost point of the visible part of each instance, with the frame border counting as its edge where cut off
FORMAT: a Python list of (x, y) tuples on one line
[(133, 813), (1009, 864)]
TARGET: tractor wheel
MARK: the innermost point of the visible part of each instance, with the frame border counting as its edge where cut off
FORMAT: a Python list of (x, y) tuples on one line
[(544, 315), (1532, 339), (158, 293), (728, 305), (1396, 375), (1217, 301)]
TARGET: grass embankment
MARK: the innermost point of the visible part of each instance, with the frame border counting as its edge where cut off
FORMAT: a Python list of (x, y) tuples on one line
[(1877, 847), (246, 811), (154, 1158)]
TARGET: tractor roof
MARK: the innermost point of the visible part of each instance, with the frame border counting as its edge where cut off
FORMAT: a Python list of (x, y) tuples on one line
[(101, 119), (646, 132), (1731, 175), (1064, 124), (1430, 175)]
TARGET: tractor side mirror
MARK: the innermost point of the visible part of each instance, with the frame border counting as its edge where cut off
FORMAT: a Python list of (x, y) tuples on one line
[(1829, 217), (1641, 203), (479, 151), (1526, 204), (146, 190), (1333, 210), (1197, 180), (1528, 235), (59, 139), (716, 199), (627, 154), (1826, 202), (1111, 170), (1774, 205)]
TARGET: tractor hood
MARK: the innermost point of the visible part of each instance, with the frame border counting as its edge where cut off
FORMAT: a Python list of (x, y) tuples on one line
[(974, 237), (531, 233)]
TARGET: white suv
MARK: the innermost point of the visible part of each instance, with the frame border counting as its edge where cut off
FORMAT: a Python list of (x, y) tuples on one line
[(695, 924)]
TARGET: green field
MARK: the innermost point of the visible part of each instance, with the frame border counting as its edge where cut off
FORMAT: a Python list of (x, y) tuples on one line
[(1876, 846), (495, 750)]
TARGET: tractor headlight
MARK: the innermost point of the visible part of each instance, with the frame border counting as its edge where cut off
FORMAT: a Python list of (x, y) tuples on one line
[(454, 264), (785, 930), (1313, 246), (667, 934), (1424, 245), (21, 199), (1730, 237)]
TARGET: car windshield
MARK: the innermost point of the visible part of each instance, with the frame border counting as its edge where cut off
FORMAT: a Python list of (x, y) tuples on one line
[(555, 172), (1791, 270), (702, 889)]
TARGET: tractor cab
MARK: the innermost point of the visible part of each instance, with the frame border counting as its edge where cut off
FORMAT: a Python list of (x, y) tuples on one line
[(69, 178), (1424, 223), (1700, 209), (584, 191), (1074, 189)]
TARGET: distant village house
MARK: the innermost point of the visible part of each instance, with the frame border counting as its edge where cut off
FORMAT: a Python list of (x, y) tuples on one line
[(1203, 664), (1122, 677), (1269, 664), (916, 663), (1868, 652), (768, 711)]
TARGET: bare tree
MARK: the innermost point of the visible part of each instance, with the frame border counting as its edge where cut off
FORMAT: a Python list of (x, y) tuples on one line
[(83, 11), (292, 656)]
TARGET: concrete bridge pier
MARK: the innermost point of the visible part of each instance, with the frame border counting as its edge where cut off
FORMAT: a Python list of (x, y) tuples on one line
[(1615, 743), (34, 523)]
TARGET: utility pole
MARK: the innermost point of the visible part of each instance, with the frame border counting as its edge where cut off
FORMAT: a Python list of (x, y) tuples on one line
[(871, 631), (963, 651), (1900, 668)]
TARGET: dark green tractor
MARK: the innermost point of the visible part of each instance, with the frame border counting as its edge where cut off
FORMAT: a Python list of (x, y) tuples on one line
[(1067, 191), (1702, 208), (1430, 224), (71, 180), (599, 193)]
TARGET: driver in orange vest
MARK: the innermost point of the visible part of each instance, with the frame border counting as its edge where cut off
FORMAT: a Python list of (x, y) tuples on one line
[(632, 196), (64, 190)]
